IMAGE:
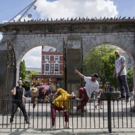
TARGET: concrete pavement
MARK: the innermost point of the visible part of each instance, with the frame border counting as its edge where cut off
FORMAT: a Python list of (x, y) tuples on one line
[(70, 132)]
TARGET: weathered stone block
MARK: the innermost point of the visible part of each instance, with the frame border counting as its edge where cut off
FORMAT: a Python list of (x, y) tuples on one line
[(37, 40), (30, 42), (119, 41), (115, 34), (112, 39), (130, 48), (123, 40), (107, 38), (98, 40), (126, 44), (93, 41)]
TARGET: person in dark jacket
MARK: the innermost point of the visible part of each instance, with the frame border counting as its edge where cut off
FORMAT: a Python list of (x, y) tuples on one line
[(18, 93)]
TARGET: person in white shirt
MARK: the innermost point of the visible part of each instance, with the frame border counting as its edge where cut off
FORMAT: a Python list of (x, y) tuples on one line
[(121, 75), (90, 86)]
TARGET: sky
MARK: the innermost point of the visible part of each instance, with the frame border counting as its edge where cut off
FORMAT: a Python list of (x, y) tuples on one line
[(63, 9)]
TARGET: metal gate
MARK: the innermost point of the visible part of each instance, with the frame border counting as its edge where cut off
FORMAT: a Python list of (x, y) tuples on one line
[(7, 76)]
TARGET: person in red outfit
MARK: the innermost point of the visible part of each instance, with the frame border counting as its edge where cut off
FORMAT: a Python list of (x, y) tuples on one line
[(85, 92)]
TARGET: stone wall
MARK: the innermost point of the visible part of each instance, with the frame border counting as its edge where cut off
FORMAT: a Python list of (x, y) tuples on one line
[(115, 32)]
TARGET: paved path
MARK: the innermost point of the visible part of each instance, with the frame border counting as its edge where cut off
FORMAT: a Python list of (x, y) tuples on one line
[(70, 132)]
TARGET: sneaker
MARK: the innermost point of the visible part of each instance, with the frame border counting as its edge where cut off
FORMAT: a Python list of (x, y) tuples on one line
[(68, 127), (27, 122), (85, 108), (11, 120), (127, 99), (123, 97), (52, 127), (74, 108)]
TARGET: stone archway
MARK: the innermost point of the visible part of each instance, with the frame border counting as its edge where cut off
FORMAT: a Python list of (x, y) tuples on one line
[(118, 41), (27, 45), (92, 32)]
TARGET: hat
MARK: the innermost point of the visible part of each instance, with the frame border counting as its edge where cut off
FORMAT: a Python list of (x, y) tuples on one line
[(95, 75)]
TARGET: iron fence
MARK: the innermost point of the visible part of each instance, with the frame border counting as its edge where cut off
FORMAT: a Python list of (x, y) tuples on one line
[(122, 116)]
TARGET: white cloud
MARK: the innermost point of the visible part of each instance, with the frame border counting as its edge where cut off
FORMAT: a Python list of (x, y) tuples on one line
[(33, 57), (65, 9), (76, 8), (26, 18), (5, 21), (1, 36)]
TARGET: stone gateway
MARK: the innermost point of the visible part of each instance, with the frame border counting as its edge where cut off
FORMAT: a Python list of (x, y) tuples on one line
[(20, 37)]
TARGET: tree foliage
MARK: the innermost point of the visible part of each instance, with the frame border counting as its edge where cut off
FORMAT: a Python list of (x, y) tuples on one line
[(130, 76), (97, 61), (32, 73), (22, 70), (108, 62)]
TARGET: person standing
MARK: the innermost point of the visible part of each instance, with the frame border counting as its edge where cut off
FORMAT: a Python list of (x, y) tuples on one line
[(18, 93), (121, 75), (85, 92)]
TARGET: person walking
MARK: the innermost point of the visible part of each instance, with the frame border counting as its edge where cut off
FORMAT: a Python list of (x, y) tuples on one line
[(18, 92), (61, 104), (121, 75), (85, 92)]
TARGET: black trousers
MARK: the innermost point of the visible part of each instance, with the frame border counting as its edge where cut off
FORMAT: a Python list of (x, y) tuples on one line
[(15, 105), (122, 81)]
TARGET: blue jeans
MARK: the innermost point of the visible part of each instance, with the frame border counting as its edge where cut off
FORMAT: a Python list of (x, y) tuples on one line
[(122, 81)]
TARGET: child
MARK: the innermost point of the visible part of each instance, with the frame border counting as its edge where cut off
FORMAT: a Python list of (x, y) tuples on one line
[(99, 100)]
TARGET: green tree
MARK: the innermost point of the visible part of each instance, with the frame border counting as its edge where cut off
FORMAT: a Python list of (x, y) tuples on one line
[(32, 73), (26, 84), (108, 62), (94, 61), (130, 77), (22, 70)]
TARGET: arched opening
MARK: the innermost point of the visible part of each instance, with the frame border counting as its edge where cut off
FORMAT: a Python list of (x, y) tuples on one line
[(44, 65), (95, 60)]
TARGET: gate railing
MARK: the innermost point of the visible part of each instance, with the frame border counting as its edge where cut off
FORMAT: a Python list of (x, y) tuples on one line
[(122, 116)]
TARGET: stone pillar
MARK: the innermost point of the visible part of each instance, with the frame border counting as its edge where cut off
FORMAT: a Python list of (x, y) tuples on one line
[(17, 71), (133, 107), (5, 83), (74, 60), (134, 78)]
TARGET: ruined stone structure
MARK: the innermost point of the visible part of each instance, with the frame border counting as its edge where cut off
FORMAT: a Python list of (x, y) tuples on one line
[(92, 32)]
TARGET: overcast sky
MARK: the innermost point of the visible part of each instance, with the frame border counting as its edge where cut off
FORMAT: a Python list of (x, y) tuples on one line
[(64, 9)]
